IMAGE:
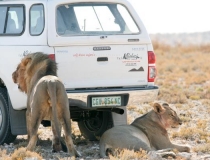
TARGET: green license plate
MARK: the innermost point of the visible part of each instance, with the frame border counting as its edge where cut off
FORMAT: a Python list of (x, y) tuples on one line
[(106, 101)]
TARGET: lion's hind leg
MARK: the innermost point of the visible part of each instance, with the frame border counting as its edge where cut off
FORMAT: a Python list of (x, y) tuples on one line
[(34, 125), (56, 143), (66, 124)]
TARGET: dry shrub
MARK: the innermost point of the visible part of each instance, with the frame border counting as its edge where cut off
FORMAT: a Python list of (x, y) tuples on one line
[(3, 155), (19, 154), (22, 154), (195, 97), (205, 148), (194, 133), (132, 107), (126, 154), (161, 47), (140, 110), (183, 72), (205, 94), (206, 103), (202, 124), (198, 92), (204, 48), (172, 95), (182, 65), (185, 118), (178, 105)]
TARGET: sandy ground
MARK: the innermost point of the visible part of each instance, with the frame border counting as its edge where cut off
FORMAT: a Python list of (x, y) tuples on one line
[(194, 114)]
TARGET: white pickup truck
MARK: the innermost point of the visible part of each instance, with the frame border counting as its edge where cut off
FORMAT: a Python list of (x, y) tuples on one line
[(104, 54)]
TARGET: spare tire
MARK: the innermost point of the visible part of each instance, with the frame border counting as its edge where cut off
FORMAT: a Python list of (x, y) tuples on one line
[(93, 127)]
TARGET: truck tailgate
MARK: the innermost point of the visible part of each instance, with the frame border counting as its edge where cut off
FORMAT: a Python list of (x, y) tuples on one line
[(107, 66)]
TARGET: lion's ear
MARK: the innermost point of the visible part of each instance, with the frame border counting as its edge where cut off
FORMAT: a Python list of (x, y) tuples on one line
[(158, 108), (26, 61)]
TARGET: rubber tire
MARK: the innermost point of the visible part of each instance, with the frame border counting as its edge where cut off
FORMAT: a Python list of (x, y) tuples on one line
[(105, 123), (6, 135)]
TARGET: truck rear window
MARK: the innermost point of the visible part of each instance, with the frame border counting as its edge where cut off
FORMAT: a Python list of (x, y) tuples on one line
[(94, 19), (11, 20)]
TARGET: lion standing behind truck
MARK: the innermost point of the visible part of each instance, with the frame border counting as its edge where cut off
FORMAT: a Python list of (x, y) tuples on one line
[(46, 99)]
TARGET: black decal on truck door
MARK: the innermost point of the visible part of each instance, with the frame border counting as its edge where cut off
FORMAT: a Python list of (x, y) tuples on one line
[(137, 70)]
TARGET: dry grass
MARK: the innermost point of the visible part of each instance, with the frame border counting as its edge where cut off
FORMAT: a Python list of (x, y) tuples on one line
[(19, 154), (3, 155), (128, 154), (205, 148), (198, 132), (182, 72), (22, 153)]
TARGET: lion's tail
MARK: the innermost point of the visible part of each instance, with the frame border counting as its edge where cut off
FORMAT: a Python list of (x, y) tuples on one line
[(53, 97)]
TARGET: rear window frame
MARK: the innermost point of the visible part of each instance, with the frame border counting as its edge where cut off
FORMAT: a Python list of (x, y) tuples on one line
[(100, 33), (24, 19)]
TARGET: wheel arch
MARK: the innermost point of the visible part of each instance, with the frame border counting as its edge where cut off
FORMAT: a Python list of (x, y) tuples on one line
[(17, 117), (2, 84), (17, 120)]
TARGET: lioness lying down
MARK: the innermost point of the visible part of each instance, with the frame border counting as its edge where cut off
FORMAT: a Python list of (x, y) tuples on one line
[(147, 132), (46, 99)]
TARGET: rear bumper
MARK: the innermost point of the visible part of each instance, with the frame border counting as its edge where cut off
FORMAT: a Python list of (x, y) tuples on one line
[(137, 95)]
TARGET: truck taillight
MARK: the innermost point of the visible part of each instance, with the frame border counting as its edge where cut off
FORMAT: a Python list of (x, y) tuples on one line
[(151, 66), (151, 73), (52, 56), (151, 57)]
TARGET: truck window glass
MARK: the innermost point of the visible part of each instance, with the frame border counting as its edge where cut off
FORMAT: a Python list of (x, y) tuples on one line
[(2, 18), (94, 19), (130, 24), (11, 20), (36, 19)]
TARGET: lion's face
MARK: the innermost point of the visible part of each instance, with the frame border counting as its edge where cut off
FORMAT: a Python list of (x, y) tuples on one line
[(18, 75), (15, 75), (168, 116)]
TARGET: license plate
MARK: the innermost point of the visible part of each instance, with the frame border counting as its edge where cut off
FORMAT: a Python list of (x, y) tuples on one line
[(106, 101)]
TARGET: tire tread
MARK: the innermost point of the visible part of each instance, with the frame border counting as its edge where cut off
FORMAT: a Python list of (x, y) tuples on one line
[(9, 137)]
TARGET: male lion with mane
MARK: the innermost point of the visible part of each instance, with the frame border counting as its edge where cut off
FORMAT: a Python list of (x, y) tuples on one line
[(36, 75), (147, 132)]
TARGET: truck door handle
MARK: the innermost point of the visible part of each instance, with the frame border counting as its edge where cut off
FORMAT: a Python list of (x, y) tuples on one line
[(101, 59)]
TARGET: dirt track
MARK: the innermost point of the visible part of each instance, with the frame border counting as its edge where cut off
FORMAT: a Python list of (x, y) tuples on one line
[(192, 113)]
